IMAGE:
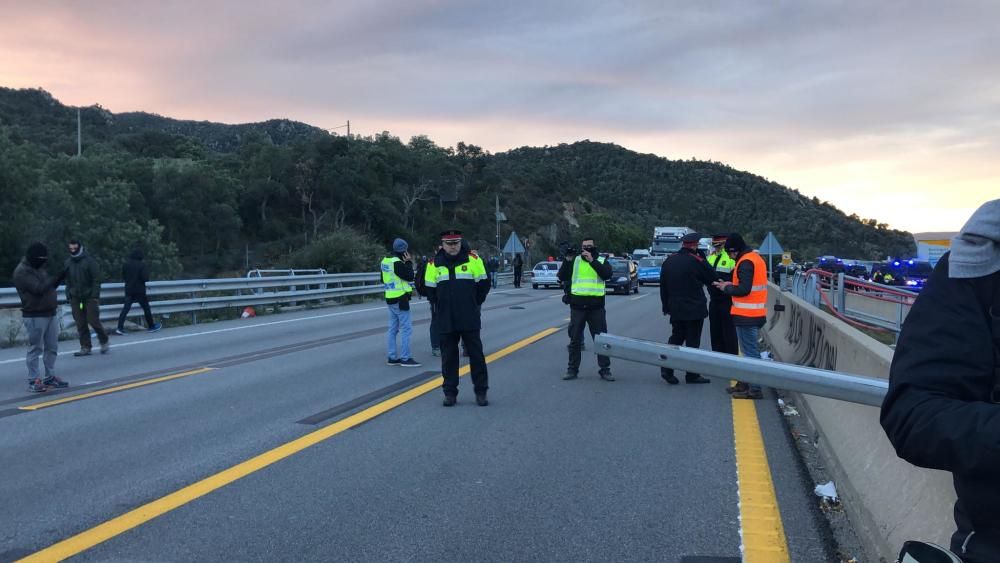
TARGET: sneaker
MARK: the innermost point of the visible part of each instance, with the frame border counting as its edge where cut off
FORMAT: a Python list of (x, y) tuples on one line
[(155, 328), (748, 393), (105, 348), (449, 400), (481, 400), (82, 352), (436, 352), (606, 375), (37, 386), (570, 375), (409, 363), (393, 362), (54, 381), (740, 386), (119, 332)]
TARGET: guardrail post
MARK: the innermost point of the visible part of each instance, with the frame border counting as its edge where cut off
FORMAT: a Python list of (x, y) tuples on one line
[(841, 297)]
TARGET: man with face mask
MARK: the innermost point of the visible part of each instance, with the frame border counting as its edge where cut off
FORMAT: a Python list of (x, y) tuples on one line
[(83, 291), (583, 280), (37, 290)]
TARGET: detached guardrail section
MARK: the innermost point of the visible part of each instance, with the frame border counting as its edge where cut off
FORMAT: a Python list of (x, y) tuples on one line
[(191, 296)]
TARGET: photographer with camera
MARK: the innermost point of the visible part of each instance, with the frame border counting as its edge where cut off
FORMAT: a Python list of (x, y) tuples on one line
[(583, 276)]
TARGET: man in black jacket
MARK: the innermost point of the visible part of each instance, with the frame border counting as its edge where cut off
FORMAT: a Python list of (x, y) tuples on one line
[(135, 274), (941, 411), (83, 291), (457, 285), (683, 279), (37, 290), (583, 280)]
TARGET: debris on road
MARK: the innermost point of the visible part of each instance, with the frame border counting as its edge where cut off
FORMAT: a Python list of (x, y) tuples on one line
[(786, 409), (827, 490)]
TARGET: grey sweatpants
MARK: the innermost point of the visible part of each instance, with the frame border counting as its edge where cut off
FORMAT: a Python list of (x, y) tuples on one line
[(43, 340)]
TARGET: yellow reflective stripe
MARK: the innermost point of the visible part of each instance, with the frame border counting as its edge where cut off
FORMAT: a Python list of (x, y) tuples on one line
[(741, 305), (724, 269)]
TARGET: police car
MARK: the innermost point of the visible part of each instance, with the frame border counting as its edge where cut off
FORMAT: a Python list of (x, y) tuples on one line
[(545, 274)]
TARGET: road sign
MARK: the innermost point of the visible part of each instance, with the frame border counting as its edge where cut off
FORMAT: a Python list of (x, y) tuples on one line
[(770, 245), (786, 258), (513, 245)]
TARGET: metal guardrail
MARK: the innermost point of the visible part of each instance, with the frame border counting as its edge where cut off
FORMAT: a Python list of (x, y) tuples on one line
[(811, 381), (202, 295), (819, 287)]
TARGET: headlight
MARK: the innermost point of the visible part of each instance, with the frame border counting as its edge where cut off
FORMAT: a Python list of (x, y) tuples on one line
[(621, 280), (911, 282)]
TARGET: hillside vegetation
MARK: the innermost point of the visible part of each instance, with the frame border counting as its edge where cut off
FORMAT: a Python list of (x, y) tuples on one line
[(208, 199)]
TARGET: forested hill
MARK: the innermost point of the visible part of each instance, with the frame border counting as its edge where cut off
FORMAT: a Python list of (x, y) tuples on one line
[(35, 115), (209, 199)]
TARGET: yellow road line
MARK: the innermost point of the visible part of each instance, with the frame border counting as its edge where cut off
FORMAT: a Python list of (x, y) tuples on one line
[(761, 531), (142, 383), (103, 532)]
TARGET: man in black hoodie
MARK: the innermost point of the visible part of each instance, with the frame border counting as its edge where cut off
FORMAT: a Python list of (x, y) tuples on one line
[(37, 291), (135, 274), (942, 410), (83, 291)]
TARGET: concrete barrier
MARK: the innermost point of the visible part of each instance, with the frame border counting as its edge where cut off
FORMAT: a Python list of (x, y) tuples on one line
[(888, 500)]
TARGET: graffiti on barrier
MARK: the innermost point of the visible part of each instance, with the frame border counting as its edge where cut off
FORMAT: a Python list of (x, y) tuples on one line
[(809, 340)]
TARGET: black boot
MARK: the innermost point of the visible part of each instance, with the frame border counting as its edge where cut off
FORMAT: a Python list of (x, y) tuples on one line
[(669, 377), (481, 399), (449, 400), (696, 379)]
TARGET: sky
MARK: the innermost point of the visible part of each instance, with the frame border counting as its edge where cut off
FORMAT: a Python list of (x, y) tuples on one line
[(886, 109)]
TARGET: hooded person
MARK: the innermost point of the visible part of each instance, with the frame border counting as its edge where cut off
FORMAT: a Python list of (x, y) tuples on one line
[(37, 291), (135, 274), (83, 291), (941, 410), (397, 280), (748, 290)]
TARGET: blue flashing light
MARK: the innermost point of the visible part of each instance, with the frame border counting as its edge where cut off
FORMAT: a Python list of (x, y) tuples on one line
[(910, 262), (822, 259), (896, 263)]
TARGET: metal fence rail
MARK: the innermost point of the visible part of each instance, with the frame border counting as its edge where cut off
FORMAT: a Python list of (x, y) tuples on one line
[(180, 296), (811, 381), (875, 306)]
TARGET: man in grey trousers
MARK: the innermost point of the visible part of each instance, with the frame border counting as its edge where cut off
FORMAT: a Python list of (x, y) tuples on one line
[(37, 290)]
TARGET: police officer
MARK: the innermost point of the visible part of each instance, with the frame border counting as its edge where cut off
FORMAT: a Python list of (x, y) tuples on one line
[(721, 327), (583, 280), (457, 285), (683, 278)]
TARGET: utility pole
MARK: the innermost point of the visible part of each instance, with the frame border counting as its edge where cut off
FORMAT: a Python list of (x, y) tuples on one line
[(348, 126), (79, 134)]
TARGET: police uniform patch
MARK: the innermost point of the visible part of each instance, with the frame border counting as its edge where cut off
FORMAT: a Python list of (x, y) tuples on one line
[(465, 268)]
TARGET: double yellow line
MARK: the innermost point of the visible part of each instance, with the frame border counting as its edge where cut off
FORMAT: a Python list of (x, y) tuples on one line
[(103, 532)]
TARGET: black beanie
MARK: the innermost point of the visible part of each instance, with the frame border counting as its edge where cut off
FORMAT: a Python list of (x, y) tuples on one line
[(35, 251), (735, 243)]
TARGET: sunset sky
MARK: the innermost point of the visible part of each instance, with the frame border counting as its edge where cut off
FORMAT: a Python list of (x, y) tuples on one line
[(886, 109)]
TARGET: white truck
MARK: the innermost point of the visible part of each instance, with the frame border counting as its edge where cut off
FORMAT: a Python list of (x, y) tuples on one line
[(667, 240)]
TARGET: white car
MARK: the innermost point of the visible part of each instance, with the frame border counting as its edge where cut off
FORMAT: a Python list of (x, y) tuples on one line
[(545, 274)]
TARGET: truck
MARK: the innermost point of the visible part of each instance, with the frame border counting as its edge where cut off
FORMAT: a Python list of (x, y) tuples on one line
[(667, 240)]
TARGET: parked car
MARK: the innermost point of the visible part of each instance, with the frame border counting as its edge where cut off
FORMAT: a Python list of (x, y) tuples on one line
[(649, 270), (624, 276), (545, 274)]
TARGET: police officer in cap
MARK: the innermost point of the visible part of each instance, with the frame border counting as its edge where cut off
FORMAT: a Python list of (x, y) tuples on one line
[(683, 278), (721, 326), (456, 284)]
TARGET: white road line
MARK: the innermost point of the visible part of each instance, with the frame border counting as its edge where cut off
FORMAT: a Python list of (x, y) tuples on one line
[(640, 296), (235, 328)]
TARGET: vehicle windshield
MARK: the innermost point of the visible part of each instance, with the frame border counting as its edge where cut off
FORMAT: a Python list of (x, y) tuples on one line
[(666, 246), (618, 266), (650, 262), (546, 266)]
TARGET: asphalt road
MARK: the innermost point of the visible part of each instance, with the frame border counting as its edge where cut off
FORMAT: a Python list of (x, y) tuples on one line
[(584, 470)]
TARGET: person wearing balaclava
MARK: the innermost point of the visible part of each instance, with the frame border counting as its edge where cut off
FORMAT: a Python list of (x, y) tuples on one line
[(37, 290), (942, 410), (83, 291)]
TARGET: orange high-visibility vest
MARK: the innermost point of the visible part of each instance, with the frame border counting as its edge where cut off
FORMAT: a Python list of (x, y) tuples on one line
[(753, 304)]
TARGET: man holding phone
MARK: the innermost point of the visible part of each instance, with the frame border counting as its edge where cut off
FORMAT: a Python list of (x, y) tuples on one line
[(583, 280), (397, 279)]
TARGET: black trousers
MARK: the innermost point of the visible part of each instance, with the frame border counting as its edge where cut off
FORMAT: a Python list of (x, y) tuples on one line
[(143, 302), (721, 327), (686, 333), (597, 321), (449, 361), (435, 335), (517, 276)]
